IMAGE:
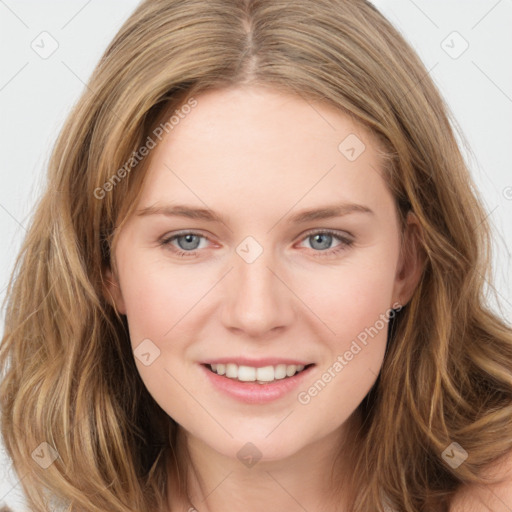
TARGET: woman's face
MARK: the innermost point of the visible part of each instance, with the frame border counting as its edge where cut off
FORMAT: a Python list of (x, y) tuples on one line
[(265, 237)]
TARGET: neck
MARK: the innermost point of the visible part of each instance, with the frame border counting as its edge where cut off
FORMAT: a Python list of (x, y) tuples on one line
[(314, 478)]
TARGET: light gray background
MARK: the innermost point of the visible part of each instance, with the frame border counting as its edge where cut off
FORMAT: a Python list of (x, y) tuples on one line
[(37, 93)]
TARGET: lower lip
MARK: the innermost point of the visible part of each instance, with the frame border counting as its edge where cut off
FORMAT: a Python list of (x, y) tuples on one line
[(253, 393)]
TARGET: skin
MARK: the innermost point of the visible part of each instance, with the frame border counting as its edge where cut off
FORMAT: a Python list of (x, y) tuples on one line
[(495, 496), (258, 156)]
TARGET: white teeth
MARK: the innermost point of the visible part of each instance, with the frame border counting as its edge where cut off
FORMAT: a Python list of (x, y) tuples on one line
[(280, 371), (290, 370), (251, 374), (246, 373), (231, 371), (266, 373)]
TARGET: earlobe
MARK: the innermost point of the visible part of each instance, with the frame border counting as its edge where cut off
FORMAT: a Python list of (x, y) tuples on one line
[(112, 291), (411, 261)]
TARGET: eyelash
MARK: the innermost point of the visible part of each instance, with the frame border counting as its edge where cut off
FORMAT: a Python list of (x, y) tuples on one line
[(345, 243)]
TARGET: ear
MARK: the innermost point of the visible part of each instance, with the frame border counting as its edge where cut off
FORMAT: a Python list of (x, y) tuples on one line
[(411, 262), (112, 290)]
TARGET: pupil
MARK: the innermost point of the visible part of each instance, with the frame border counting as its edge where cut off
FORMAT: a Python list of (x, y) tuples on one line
[(189, 239), (327, 239)]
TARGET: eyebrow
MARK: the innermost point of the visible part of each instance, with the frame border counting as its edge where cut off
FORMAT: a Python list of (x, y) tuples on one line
[(330, 211)]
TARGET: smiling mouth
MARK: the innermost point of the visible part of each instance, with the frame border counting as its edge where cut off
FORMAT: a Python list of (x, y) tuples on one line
[(261, 375)]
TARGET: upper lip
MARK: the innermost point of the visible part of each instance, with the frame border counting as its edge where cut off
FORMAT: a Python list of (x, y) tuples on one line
[(256, 363)]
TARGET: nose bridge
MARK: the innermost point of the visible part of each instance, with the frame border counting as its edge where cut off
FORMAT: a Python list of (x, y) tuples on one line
[(257, 301)]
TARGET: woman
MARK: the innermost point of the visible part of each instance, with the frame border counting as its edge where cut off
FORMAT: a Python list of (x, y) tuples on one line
[(256, 368)]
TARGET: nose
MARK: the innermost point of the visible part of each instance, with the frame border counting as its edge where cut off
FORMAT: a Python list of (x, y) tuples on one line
[(258, 300)]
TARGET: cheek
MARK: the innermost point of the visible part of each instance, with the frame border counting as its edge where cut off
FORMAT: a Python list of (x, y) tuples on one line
[(356, 307), (354, 302), (159, 303), (354, 295), (157, 297)]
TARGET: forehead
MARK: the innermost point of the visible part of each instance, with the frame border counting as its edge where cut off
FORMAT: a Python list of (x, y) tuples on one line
[(246, 146)]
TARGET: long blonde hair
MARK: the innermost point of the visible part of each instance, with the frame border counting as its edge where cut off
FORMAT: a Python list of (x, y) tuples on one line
[(69, 376)]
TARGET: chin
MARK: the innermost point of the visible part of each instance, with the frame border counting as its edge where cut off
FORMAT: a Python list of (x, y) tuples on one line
[(260, 448)]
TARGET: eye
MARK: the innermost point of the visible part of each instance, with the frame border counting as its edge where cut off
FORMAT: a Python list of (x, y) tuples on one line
[(187, 241), (321, 242)]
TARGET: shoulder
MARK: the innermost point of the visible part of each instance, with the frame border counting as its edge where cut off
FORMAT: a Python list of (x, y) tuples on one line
[(495, 497)]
